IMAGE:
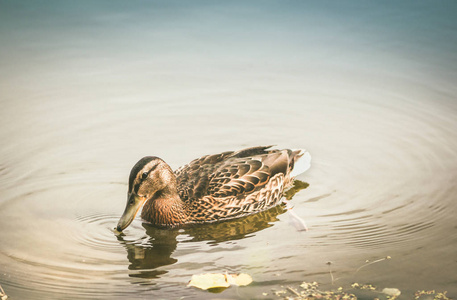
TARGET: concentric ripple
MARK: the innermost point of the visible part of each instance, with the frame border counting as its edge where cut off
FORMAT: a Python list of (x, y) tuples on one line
[(97, 232)]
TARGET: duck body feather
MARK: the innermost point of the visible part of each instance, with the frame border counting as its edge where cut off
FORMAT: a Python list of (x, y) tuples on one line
[(215, 187)]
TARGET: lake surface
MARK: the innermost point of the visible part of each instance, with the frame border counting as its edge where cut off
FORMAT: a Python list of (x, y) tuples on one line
[(88, 88)]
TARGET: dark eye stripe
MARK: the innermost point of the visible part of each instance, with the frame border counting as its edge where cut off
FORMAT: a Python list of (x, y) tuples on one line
[(137, 169), (146, 173), (153, 168), (143, 177), (136, 188)]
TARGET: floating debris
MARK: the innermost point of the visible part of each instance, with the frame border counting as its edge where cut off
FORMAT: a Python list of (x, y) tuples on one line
[(310, 291), (309, 286), (436, 296), (293, 291), (368, 287), (3, 295), (280, 293), (368, 262)]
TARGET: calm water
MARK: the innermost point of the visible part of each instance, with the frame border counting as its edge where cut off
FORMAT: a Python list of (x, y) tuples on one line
[(87, 88)]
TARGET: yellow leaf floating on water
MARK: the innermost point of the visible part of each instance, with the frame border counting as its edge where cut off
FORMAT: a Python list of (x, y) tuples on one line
[(242, 279), (219, 280), (209, 281)]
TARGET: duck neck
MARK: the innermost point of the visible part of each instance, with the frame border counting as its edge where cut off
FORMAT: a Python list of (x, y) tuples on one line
[(165, 208)]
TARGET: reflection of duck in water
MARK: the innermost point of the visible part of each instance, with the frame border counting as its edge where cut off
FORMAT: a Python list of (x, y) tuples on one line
[(148, 255), (211, 188)]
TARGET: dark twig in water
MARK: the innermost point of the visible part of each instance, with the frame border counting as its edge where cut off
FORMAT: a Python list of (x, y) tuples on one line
[(293, 291), (367, 263)]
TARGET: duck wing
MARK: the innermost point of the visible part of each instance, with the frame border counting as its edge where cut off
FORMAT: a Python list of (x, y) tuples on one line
[(193, 179), (231, 174)]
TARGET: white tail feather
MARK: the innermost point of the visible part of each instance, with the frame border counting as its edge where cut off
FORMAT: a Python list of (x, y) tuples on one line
[(302, 162)]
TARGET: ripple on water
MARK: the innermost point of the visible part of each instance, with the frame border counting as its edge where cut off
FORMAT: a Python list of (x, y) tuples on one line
[(97, 232), (403, 215), (399, 192), (388, 189), (51, 254)]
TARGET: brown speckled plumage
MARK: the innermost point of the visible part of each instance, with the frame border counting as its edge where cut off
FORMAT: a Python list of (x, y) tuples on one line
[(211, 188)]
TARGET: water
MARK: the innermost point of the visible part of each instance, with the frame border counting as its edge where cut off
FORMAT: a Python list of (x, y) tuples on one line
[(89, 88)]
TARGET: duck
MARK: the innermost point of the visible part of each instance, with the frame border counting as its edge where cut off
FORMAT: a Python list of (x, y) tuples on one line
[(212, 188)]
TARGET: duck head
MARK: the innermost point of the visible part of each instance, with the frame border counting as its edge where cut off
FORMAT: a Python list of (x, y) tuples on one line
[(149, 178)]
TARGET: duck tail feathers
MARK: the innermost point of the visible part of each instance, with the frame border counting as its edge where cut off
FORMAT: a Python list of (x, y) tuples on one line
[(301, 162)]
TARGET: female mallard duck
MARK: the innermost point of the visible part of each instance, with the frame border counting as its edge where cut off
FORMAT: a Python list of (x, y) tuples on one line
[(211, 188)]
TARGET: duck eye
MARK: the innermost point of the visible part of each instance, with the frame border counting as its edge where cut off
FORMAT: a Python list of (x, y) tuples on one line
[(144, 175)]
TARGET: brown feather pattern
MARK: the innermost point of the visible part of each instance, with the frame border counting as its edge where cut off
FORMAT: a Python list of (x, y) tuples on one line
[(222, 186)]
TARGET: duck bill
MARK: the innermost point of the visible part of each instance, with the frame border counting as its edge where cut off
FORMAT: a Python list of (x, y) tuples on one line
[(134, 203)]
